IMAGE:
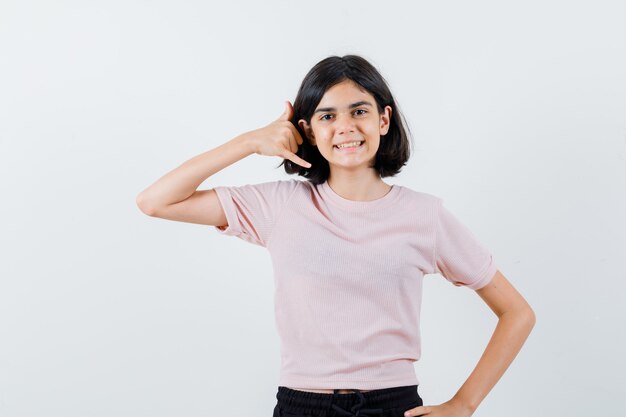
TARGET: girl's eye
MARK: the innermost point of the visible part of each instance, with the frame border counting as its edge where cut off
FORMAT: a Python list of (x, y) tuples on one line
[(361, 110)]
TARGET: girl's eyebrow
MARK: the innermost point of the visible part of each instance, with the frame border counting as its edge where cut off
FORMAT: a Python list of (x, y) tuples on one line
[(353, 105)]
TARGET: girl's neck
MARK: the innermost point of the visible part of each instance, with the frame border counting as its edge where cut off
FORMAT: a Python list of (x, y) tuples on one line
[(360, 188)]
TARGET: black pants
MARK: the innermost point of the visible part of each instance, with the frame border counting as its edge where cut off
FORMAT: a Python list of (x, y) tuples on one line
[(386, 402)]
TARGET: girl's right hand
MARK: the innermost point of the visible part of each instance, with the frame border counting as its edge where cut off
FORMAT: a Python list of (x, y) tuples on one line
[(279, 138)]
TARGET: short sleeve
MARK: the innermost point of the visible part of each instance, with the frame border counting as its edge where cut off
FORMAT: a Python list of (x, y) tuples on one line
[(458, 255), (251, 210)]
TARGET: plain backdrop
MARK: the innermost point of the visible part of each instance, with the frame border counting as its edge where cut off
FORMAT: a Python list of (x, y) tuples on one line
[(518, 115)]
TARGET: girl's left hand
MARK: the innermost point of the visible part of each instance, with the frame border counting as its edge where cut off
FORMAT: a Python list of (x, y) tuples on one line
[(450, 408)]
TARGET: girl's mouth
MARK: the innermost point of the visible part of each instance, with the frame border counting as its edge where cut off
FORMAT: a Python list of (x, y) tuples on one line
[(350, 146)]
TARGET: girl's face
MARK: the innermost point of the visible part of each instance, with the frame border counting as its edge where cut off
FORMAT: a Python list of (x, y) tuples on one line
[(347, 113)]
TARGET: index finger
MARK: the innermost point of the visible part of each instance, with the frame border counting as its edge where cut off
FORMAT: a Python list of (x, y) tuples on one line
[(296, 159)]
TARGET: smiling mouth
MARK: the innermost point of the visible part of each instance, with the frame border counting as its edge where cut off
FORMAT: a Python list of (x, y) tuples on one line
[(349, 147)]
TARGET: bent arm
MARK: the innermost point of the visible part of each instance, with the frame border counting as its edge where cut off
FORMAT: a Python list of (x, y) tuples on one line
[(515, 322), (180, 183)]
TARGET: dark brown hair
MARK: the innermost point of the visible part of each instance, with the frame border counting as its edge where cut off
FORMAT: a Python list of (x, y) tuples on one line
[(393, 152)]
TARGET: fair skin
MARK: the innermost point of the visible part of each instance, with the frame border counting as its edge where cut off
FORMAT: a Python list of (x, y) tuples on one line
[(175, 197), (335, 121)]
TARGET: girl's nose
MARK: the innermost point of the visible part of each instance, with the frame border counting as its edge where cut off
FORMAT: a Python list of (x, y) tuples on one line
[(345, 123)]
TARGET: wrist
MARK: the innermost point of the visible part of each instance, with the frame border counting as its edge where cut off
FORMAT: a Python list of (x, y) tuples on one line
[(464, 404), (247, 141)]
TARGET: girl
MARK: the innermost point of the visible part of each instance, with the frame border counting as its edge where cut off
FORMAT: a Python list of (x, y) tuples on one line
[(349, 251)]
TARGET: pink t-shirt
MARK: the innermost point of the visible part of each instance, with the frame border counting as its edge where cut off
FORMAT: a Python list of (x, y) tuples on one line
[(348, 276)]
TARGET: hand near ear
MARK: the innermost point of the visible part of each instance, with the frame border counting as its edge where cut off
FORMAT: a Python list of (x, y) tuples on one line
[(279, 138)]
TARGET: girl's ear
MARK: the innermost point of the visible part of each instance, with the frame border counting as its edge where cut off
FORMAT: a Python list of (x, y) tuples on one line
[(385, 120), (307, 130)]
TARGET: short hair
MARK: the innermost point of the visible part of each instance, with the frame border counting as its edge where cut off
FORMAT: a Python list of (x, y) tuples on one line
[(393, 152)]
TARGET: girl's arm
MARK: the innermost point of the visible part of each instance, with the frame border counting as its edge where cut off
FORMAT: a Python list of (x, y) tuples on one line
[(515, 321), (181, 183), (174, 195)]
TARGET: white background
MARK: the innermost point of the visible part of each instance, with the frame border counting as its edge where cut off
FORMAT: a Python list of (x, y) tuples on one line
[(518, 112)]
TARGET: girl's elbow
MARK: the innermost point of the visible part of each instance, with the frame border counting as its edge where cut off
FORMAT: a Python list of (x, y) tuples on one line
[(530, 318)]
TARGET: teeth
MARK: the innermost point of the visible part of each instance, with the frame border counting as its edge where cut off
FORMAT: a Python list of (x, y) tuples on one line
[(345, 145)]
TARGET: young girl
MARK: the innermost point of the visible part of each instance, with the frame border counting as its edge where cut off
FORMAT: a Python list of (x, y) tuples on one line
[(349, 251)]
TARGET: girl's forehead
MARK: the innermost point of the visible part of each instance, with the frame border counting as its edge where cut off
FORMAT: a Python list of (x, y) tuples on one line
[(345, 91)]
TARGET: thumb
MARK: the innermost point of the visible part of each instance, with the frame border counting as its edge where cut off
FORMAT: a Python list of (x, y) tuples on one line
[(288, 113)]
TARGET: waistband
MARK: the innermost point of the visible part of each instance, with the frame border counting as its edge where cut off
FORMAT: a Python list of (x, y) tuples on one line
[(372, 403)]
